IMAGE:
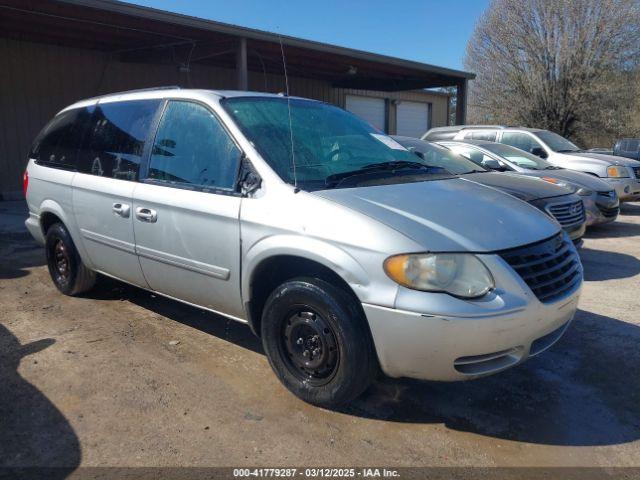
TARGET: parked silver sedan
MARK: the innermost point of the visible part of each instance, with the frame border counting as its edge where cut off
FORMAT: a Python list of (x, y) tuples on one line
[(600, 200)]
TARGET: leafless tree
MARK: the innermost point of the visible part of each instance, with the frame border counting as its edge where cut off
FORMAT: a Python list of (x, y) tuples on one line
[(564, 65)]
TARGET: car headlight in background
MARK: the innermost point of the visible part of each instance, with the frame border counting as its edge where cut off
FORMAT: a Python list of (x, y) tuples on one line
[(584, 192), (458, 274), (617, 171), (560, 183)]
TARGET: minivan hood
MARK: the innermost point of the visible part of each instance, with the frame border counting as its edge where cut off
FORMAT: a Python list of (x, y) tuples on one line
[(449, 215), (578, 178), (520, 186), (603, 157)]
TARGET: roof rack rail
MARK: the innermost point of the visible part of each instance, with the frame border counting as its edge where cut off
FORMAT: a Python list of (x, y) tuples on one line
[(148, 89), (137, 90)]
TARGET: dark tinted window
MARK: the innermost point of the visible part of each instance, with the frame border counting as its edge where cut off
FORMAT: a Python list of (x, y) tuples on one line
[(57, 145), (115, 142), (631, 145), (192, 148)]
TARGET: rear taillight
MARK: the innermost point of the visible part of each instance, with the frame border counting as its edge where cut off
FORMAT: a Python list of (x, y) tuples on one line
[(25, 181)]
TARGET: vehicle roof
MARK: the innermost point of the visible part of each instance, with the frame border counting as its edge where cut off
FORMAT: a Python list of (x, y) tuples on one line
[(160, 92), (470, 141), (458, 128)]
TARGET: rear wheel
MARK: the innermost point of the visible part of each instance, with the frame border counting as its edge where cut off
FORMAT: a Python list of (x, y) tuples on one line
[(317, 342), (67, 271)]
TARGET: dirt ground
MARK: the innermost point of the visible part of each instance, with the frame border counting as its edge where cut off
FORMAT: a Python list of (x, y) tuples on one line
[(100, 381)]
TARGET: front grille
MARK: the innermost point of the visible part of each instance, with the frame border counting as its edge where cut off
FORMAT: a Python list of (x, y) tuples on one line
[(636, 171), (609, 212), (567, 214), (550, 268)]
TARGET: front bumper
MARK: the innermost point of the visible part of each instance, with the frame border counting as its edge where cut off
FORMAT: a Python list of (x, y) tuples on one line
[(576, 231), (433, 336), (628, 189), (600, 210)]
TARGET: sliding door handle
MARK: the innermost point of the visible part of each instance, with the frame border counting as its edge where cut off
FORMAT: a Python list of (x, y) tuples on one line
[(146, 214), (121, 209)]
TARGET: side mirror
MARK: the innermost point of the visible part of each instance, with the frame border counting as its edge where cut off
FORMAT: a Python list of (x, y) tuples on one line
[(416, 152), (491, 164), (539, 152), (250, 182)]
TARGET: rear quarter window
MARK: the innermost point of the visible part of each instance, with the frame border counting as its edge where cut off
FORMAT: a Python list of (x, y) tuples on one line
[(58, 143), (116, 139), (482, 135)]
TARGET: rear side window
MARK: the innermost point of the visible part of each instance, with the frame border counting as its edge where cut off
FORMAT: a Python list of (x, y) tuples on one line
[(193, 149), (115, 142), (520, 140), (58, 143), (482, 135)]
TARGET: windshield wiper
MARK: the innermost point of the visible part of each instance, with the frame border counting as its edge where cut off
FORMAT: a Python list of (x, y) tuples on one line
[(337, 179), (395, 165), (569, 150), (552, 167)]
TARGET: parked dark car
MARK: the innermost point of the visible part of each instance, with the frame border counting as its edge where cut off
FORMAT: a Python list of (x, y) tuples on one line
[(627, 147), (556, 201), (600, 200)]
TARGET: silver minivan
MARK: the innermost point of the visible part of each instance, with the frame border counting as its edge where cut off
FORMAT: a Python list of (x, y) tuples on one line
[(341, 249)]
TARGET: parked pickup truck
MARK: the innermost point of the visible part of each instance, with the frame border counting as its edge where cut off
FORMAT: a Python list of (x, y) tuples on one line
[(341, 249), (627, 147)]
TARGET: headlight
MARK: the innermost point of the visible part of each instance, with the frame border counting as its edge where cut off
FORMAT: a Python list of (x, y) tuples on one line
[(584, 192), (616, 171), (563, 183), (459, 274)]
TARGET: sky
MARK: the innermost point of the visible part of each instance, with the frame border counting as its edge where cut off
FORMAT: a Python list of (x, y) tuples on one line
[(428, 31)]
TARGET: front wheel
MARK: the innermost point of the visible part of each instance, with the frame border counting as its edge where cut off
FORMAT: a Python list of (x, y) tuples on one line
[(317, 342)]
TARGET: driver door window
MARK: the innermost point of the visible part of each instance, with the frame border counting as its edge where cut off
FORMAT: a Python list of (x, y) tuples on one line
[(192, 149)]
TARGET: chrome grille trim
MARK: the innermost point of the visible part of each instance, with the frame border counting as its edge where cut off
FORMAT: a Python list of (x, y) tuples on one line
[(567, 214), (551, 268)]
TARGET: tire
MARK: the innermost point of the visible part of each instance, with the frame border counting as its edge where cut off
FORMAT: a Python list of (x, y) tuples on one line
[(309, 314), (67, 271)]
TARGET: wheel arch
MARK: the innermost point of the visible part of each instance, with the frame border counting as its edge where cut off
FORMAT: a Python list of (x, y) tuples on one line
[(276, 259)]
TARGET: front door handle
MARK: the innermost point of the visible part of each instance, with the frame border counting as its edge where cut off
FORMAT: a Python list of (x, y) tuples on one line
[(146, 214), (121, 209)]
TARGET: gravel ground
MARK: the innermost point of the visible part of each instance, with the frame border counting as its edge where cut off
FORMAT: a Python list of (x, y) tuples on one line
[(120, 377)]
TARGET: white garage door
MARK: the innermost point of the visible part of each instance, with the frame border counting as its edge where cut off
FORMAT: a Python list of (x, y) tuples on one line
[(413, 119), (368, 108)]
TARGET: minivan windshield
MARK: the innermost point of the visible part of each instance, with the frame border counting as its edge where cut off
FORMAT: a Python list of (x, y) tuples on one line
[(555, 142), (332, 148), (439, 156), (519, 157)]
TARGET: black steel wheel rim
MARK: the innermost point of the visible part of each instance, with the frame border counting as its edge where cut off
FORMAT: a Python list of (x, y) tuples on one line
[(309, 347), (61, 261)]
